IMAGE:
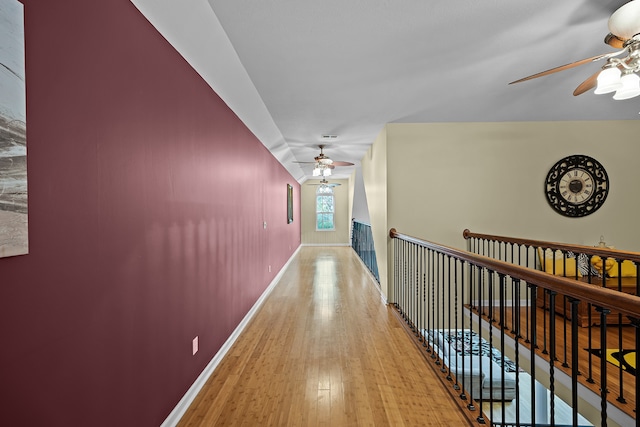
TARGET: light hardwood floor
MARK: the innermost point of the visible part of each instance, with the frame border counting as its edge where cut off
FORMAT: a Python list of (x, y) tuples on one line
[(324, 350)]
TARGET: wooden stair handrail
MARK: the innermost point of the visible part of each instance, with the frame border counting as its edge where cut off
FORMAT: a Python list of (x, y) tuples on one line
[(619, 301), (588, 250)]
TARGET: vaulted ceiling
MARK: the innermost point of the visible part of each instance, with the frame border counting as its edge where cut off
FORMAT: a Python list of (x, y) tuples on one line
[(295, 70)]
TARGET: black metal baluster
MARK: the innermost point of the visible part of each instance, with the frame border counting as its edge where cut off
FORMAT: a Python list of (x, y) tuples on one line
[(528, 300), (438, 312), (491, 304), (481, 274), (513, 289), (448, 311), (423, 285), (443, 311), (429, 332), (502, 285), (552, 354), (620, 398), (636, 325), (564, 330), (441, 294), (574, 359), (416, 280), (401, 267), (471, 270), (400, 272), (589, 345), (458, 265), (433, 304), (532, 355), (418, 312), (544, 321), (518, 336), (603, 364)]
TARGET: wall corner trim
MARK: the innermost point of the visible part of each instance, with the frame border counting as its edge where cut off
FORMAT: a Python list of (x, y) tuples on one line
[(178, 412)]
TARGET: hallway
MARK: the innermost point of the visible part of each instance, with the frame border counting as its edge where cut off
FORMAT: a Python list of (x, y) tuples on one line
[(324, 350)]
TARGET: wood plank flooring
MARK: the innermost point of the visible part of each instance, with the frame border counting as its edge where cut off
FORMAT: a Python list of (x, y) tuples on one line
[(324, 351)]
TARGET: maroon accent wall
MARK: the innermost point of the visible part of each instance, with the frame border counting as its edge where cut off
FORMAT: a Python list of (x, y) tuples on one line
[(147, 197)]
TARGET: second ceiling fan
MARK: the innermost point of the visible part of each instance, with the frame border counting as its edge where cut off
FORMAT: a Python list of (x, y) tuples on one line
[(324, 164), (618, 74)]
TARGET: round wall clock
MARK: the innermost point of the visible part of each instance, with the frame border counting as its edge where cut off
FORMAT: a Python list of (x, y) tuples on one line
[(577, 186)]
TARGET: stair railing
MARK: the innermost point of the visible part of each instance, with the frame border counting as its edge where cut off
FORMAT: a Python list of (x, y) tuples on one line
[(616, 269), (362, 243), (444, 294)]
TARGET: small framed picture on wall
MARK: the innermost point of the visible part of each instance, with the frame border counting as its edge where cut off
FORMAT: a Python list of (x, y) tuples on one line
[(289, 204)]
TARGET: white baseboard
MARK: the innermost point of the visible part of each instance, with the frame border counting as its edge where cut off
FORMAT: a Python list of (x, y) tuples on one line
[(326, 244), (184, 403)]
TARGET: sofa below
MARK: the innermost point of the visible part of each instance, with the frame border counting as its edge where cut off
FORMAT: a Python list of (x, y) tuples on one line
[(479, 374)]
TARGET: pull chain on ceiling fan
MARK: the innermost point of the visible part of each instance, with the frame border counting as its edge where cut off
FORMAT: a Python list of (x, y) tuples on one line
[(617, 74)]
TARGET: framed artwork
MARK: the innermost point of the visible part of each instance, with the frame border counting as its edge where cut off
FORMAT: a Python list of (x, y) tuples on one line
[(13, 132), (289, 204)]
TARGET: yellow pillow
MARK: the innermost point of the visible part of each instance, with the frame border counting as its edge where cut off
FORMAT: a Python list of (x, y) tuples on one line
[(611, 267), (628, 269), (556, 264), (560, 265), (596, 261)]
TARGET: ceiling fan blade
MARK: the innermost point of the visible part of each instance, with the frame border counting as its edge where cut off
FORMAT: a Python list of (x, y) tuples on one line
[(568, 66), (339, 163), (587, 85), (295, 161)]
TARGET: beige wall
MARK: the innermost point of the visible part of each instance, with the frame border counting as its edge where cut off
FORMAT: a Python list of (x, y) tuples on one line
[(374, 175), (434, 180), (341, 235), (489, 177)]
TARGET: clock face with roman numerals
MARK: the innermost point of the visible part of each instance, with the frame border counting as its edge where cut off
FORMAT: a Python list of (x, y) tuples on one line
[(577, 186)]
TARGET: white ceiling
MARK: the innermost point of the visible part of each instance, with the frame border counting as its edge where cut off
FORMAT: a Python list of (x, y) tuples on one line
[(294, 70)]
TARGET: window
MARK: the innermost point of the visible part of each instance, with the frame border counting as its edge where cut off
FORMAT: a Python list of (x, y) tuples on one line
[(324, 208)]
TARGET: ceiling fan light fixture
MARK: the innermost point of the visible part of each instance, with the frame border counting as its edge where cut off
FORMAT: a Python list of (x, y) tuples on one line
[(630, 87), (608, 81), (326, 172), (316, 171)]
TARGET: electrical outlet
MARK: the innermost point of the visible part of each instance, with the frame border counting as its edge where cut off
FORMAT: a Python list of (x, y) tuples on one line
[(264, 225), (269, 269), (194, 345)]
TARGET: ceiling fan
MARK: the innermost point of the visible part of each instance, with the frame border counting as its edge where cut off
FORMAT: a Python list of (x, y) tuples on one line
[(323, 164), (618, 74), (324, 182)]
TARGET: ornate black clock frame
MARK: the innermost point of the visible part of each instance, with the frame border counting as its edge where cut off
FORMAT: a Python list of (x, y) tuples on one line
[(577, 186)]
